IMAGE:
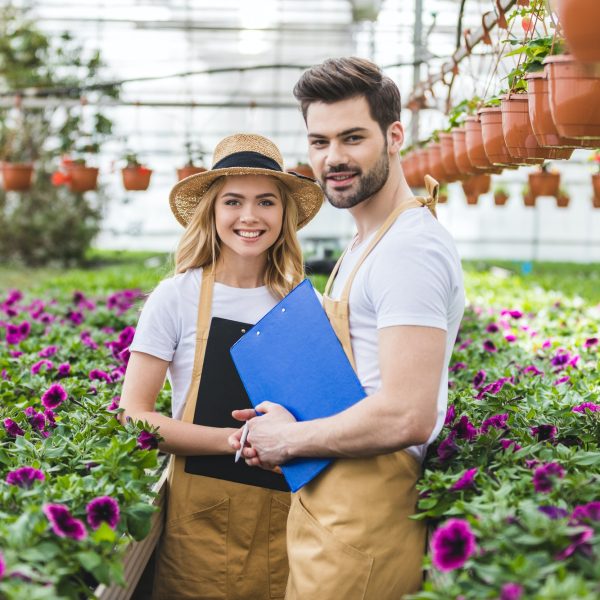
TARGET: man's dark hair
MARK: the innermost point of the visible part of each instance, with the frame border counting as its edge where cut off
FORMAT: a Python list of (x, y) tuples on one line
[(343, 78)]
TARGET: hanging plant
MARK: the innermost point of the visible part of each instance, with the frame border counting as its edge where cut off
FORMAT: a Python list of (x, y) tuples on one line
[(476, 185), (136, 177), (595, 158), (500, 195), (544, 183), (562, 198), (191, 167)]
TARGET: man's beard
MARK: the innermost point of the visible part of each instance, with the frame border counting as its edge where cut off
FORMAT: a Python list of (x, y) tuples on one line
[(370, 183)]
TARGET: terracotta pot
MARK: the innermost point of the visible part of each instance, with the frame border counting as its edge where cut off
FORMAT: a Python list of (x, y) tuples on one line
[(544, 184), (500, 198), (436, 168), (188, 171), (540, 115), (518, 133), (596, 184), (562, 200), (409, 167), (523, 2), (82, 178), (596, 201), (579, 21), (476, 185), (442, 198), (574, 96), (423, 167), (493, 138), (460, 152), (448, 158), (529, 200), (17, 176), (302, 169), (475, 149), (136, 178)]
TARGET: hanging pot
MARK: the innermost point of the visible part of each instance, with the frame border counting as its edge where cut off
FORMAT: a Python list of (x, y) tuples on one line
[(460, 152), (596, 184), (448, 158), (519, 136), (442, 197), (302, 169), (579, 21), (500, 198), (476, 185), (529, 200), (81, 178), (562, 200), (436, 168), (493, 138), (188, 172), (136, 178), (475, 148), (17, 176), (544, 184), (540, 115), (574, 96), (423, 166), (409, 163), (596, 201)]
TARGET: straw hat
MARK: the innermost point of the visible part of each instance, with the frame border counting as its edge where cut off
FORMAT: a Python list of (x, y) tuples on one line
[(245, 154)]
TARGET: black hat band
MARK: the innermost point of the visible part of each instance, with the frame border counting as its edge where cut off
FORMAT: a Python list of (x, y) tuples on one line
[(253, 160)]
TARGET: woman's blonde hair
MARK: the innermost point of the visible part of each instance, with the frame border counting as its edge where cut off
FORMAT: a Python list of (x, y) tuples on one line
[(200, 245)]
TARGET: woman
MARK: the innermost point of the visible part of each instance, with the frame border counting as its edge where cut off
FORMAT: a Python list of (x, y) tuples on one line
[(224, 534)]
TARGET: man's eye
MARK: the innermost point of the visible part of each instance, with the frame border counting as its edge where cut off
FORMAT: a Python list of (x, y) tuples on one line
[(354, 138), (318, 143)]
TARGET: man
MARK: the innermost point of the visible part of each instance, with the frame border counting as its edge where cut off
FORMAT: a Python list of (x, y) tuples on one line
[(395, 302)]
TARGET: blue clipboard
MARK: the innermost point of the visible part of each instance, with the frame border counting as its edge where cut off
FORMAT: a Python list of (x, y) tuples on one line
[(293, 357)]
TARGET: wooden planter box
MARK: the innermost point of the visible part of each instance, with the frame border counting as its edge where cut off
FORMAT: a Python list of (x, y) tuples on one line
[(139, 553)]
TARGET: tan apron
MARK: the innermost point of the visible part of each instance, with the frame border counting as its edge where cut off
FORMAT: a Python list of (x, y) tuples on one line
[(222, 539), (349, 532)]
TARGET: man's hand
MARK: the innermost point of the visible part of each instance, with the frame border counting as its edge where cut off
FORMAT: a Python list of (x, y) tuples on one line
[(266, 435)]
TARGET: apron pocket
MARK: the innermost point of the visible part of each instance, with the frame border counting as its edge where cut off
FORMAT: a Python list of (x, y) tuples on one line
[(278, 560), (321, 566), (194, 553)]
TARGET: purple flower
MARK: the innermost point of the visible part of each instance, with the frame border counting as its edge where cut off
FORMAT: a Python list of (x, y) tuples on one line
[(510, 338), (515, 314), (48, 351), (464, 429), (544, 432), (561, 359), (589, 511), (465, 344), (63, 523), (4, 375), (457, 367), (103, 509), (554, 512), (54, 396), (114, 404), (100, 375), (13, 297), (452, 544), (578, 542), (492, 328), (562, 380), (87, 340), (63, 370), (493, 388), (450, 415), (15, 353), (511, 591), (489, 346), (532, 369), (36, 419), (447, 449), (12, 428), (147, 441), (36, 368), (466, 481), (49, 414), (547, 344), (2, 566), (75, 317), (506, 444), (24, 329), (543, 477), (496, 421), (581, 408), (593, 341), (24, 477), (479, 379)]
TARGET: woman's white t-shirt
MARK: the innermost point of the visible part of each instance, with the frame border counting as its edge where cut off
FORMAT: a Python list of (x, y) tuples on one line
[(167, 324)]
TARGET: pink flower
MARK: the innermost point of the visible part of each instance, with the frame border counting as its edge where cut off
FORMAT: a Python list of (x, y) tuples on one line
[(587, 512), (492, 328), (114, 404), (506, 444), (103, 510), (54, 396), (452, 545), (590, 342), (510, 338), (544, 432), (75, 317), (511, 591), (543, 477), (447, 449), (464, 429), (459, 366), (63, 523), (48, 351), (479, 379), (100, 375), (24, 477), (532, 369), (489, 346), (466, 481), (578, 542), (37, 367), (547, 344), (63, 370), (562, 380), (12, 428), (147, 441), (581, 408), (496, 421)]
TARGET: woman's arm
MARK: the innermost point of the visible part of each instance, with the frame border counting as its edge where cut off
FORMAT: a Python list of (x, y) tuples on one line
[(144, 379)]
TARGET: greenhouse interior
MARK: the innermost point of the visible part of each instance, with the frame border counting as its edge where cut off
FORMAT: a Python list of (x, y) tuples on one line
[(182, 417)]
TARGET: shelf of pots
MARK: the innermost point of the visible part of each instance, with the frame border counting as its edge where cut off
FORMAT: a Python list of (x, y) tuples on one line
[(136, 177)]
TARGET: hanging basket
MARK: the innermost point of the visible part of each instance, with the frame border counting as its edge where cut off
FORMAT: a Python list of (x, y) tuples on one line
[(475, 149), (562, 200), (493, 138), (409, 167), (476, 185), (81, 178), (500, 198), (544, 184), (136, 179), (188, 172), (448, 158), (529, 200), (596, 185), (436, 167), (17, 177), (574, 92), (579, 21), (463, 163)]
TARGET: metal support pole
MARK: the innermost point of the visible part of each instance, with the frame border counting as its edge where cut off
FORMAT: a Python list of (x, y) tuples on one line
[(418, 55)]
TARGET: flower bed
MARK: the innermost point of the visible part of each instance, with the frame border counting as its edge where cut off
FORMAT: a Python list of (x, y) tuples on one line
[(74, 483), (513, 483)]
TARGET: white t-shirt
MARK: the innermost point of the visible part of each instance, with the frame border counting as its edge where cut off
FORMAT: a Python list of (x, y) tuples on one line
[(167, 325), (413, 276)]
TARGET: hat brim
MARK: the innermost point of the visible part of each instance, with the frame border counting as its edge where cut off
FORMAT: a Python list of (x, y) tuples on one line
[(188, 193)]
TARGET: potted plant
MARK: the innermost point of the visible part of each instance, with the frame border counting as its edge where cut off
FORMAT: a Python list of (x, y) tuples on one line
[(475, 149), (476, 185), (500, 195), (579, 22), (136, 177), (493, 136), (448, 157), (190, 167), (595, 158), (436, 168), (562, 198), (529, 199), (18, 154), (544, 182)]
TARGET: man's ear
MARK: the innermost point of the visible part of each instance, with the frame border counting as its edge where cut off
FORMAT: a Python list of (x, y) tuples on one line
[(395, 137)]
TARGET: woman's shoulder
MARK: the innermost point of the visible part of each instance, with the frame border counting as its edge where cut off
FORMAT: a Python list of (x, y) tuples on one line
[(177, 284)]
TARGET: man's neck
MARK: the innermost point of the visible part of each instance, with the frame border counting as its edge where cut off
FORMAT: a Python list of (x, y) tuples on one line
[(370, 214)]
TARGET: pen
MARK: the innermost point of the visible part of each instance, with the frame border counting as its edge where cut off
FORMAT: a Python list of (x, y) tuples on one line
[(238, 454)]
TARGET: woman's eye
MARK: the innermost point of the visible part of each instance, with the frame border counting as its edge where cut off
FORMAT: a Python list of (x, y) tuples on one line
[(231, 202), (267, 203)]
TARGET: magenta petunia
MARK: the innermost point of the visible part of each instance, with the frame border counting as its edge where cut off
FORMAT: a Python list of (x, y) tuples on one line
[(2, 566), (465, 344), (466, 481), (506, 444), (12, 428), (447, 449), (579, 542), (479, 379), (76, 317), (511, 591), (36, 419), (64, 369), (489, 346), (492, 328), (493, 388), (581, 408), (515, 314), (103, 509), (459, 366), (25, 329), (114, 403), (589, 511), (87, 340), (464, 429), (54, 396), (533, 370), (15, 353), (37, 367), (147, 441), (543, 477), (554, 512), (48, 351), (510, 338), (562, 380), (561, 359), (63, 523), (496, 422), (100, 375), (4, 375), (49, 414), (13, 297), (452, 545), (24, 477), (590, 342), (544, 432)]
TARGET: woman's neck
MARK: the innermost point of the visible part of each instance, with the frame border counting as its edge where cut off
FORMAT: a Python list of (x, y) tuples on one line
[(239, 271)]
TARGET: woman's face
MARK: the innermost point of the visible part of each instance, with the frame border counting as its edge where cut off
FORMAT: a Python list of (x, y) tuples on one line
[(248, 214)]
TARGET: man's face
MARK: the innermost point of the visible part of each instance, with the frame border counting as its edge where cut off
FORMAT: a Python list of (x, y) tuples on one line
[(347, 150)]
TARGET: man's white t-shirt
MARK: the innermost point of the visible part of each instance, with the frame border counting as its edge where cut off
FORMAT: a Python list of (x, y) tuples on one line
[(167, 324), (413, 276)]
